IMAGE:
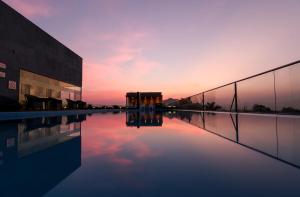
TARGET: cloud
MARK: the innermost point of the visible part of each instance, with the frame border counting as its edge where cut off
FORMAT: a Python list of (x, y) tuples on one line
[(32, 8), (112, 141), (123, 67)]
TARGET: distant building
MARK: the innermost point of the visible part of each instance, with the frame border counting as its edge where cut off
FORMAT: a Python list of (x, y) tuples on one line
[(34, 67), (143, 100), (170, 102)]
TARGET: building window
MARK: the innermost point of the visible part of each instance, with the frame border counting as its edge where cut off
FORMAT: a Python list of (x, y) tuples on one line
[(39, 91), (12, 85), (48, 92), (41, 86), (2, 74), (25, 89), (77, 96)]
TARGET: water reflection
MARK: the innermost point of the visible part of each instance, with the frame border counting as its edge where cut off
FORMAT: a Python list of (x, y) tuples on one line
[(37, 154), (40, 156), (175, 159), (275, 136), (138, 119)]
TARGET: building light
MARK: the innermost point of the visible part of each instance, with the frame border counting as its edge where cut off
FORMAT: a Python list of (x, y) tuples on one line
[(2, 65), (2, 74), (12, 85)]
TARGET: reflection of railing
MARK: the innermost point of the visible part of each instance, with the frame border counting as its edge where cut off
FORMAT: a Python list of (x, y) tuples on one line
[(274, 136), (273, 91)]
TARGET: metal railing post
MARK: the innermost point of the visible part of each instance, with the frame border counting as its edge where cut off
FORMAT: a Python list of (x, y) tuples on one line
[(235, 97), (203, 101), (275, 94)]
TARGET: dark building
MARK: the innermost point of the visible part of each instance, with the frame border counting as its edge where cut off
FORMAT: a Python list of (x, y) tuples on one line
[(34, 63), (143, 100)]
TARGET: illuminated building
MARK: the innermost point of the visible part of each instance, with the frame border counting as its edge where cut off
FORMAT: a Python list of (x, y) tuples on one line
[(143, 100)]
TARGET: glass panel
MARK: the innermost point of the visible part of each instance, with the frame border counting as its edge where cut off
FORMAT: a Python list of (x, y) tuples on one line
[(288, 139), (197, 101), (197, 120), (48, 92), (25, 89), (185, 116), (185, 103), (219, 99), (221, 124), (288, 89), (41, 86), (257, 94), (258, 132), (194, 118)]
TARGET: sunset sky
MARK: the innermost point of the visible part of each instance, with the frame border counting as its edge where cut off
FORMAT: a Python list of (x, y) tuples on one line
[(178, 47)]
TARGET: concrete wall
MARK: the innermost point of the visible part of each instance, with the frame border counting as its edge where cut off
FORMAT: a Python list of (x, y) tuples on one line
[(23, 45)]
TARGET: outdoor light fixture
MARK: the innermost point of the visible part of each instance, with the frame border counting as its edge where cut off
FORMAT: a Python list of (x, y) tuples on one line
[(2, 65)]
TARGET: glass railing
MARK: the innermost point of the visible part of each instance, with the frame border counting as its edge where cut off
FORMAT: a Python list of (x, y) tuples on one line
[(273, 91), (274, 136)]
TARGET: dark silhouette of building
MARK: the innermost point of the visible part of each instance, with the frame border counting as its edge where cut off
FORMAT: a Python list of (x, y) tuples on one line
[(34, 67), (143, 100)]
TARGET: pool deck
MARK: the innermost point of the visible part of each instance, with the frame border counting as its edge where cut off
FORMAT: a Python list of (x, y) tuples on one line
[(35, 114)]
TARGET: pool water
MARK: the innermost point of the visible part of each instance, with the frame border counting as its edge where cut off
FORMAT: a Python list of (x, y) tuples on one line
[(151, 154)]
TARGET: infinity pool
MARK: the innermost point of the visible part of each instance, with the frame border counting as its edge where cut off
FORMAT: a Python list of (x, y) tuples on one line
[(151, 154)]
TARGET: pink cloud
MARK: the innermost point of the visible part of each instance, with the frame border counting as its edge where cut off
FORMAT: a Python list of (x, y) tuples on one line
[(31, 8), (111, 138), (104, 97), (107, 78)]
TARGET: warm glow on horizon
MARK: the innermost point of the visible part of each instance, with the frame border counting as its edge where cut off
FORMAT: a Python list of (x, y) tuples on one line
[(175, 47)]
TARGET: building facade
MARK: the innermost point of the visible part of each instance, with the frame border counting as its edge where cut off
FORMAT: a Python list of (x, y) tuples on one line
[(143, 100), (34, 63)]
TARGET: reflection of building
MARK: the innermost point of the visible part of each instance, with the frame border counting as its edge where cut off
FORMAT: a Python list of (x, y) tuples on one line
[(40, 133), (139, 119), (37, 154), (143, 100), (34, 63)]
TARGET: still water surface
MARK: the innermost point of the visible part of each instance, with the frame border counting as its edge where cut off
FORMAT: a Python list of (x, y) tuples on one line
[(169, 154)]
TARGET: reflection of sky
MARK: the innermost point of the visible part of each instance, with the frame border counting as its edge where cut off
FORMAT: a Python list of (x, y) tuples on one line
[(259, 132), (176, 159), (146, 45)]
